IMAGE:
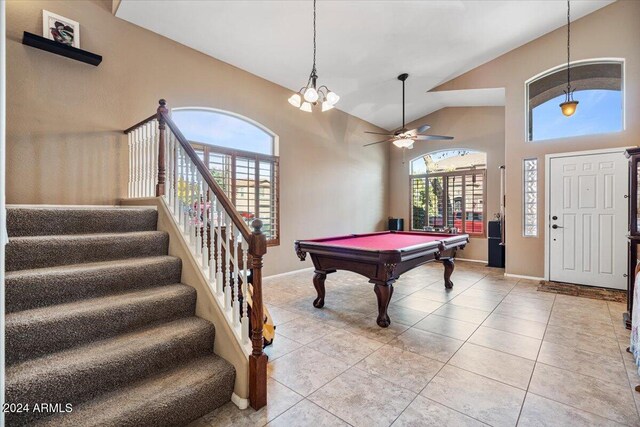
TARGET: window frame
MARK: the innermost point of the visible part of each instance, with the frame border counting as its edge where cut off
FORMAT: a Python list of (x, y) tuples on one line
[(207, 149), (445, 175), (563, 66)]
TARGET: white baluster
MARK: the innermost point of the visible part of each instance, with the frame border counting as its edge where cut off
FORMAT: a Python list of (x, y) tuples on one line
[(153, 157), (138, 137), (245, 292), (185, 203), (147, 157), (174, 176), (205, 226), (212, 230), (130, 183), (145, 161), (219, 281), (228, 289), (236, 281), (198, 208)]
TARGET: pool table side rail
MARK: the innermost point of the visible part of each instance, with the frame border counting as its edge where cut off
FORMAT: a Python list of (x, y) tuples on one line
[(316, 247)]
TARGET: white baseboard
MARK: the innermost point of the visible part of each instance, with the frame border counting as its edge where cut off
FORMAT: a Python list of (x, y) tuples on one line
[(239, 401), (472, 260), (519, 276), (288, 273)]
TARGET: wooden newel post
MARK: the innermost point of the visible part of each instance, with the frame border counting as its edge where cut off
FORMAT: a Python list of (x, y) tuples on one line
[(257, 359), (162, 109)]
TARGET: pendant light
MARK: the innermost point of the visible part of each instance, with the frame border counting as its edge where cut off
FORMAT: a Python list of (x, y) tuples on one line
[(569, 105), (311, 95)]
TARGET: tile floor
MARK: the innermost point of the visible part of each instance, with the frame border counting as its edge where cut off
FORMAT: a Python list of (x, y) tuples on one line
[(491, 351)]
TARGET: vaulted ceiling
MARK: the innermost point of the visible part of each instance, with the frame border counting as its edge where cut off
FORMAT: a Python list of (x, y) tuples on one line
[(362, 44)]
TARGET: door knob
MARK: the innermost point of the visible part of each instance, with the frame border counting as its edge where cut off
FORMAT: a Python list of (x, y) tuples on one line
[(554, 226), (554, 217)]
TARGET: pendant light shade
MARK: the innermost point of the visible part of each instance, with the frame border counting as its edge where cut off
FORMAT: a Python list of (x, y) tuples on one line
[(313, 95), (295, 100), (569, 106)]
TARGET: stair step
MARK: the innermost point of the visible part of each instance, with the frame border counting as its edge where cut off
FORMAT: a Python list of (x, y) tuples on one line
[(33, 333), (173, 398), (83, 373), (57, 221), (28, 289), (24, 253)]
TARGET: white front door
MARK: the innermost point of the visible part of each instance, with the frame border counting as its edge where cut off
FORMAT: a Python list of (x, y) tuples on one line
[(588, 215)]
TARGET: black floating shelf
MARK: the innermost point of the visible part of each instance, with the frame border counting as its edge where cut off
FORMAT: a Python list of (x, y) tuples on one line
[(61, 49)]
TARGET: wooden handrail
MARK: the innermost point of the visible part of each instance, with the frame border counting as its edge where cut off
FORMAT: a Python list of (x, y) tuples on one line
[(143, 122), (228, 206)]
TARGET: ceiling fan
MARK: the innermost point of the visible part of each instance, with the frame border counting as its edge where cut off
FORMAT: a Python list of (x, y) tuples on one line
[(404, 138)]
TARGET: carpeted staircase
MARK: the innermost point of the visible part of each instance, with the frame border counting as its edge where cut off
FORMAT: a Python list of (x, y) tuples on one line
[(97, 317)]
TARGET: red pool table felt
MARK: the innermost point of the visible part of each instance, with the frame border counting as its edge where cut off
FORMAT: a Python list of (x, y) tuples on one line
[(385, 241)]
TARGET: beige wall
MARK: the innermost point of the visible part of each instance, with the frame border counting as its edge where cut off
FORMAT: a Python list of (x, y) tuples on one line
[(65, 146), (613, 31), (477, 128)]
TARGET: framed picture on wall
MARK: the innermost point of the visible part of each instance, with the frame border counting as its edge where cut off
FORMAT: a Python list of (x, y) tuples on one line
[(60, 29)]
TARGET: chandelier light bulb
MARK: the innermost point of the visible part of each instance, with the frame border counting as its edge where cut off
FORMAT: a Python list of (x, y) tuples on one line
[(295, 100), (311, 95), (326, 106), (332, 98), (306, 107)]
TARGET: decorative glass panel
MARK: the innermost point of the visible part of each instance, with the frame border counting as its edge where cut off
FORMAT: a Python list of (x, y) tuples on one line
[(530, 188)]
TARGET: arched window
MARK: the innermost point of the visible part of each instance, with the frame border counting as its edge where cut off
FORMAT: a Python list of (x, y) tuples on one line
[(448, 191), (242, 157), (598, 88)]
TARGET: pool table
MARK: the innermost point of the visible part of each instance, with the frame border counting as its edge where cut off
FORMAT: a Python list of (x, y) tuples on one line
[(381, 257)]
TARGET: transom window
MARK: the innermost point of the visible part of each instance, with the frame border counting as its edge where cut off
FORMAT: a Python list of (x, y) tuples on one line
[(448, 191), (241, 156), (598, 88)]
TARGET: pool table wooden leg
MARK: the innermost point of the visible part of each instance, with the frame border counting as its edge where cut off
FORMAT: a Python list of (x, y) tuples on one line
[(318, 283), (448, 271), (384, 292)]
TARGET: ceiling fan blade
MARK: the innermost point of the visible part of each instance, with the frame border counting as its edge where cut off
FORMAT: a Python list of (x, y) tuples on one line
[(423, 128), (378, 133), (432, 137), (377, 142)]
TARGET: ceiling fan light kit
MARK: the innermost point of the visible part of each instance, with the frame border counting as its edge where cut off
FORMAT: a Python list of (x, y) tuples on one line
[(310, 95), (403, 138)]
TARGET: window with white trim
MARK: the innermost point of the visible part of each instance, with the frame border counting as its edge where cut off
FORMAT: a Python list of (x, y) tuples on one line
[(530, 194), (448, 191), (242, 158)]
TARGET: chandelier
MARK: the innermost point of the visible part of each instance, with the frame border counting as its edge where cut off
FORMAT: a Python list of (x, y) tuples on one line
[(311, 95), (569, 105)]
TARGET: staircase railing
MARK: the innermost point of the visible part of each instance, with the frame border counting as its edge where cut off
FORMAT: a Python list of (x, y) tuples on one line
[(162, 163)]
